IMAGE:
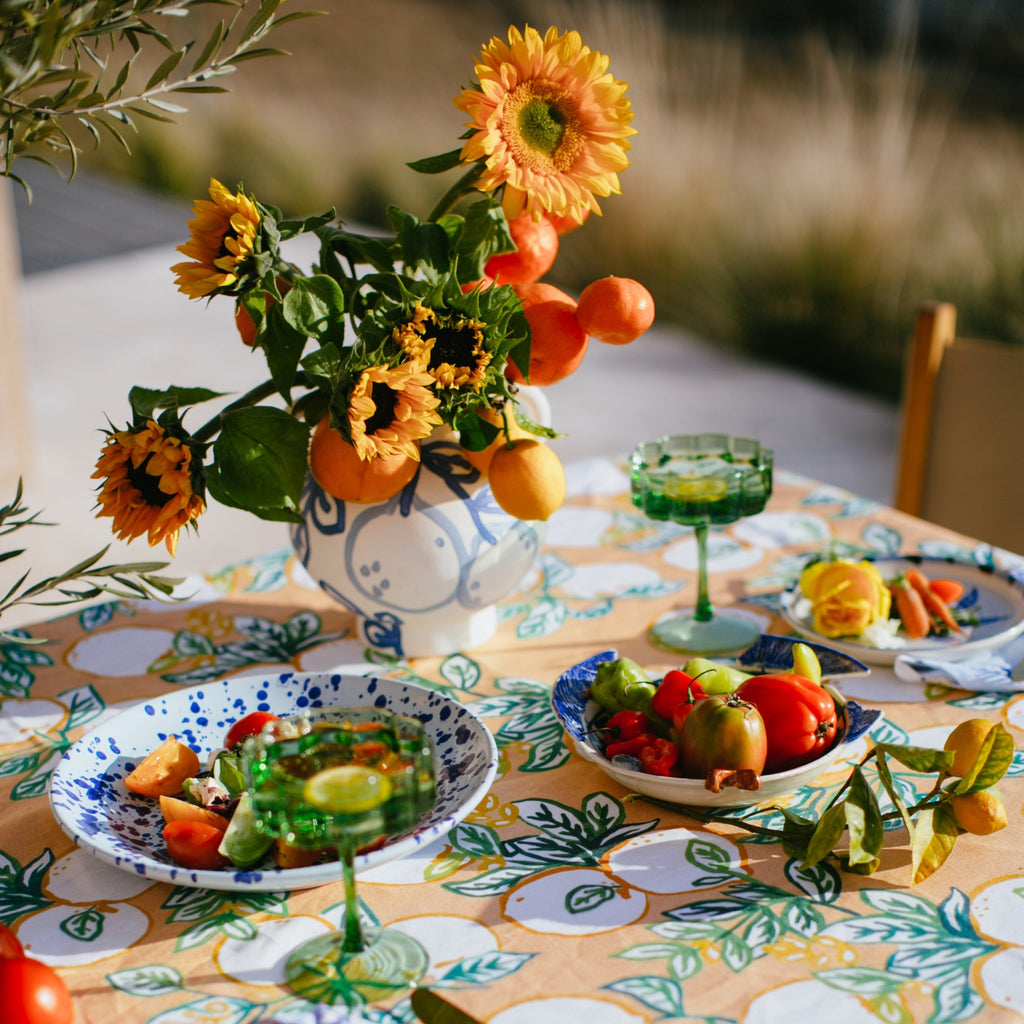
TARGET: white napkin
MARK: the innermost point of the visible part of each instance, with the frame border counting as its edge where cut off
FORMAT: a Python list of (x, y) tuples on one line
[(991, 671)]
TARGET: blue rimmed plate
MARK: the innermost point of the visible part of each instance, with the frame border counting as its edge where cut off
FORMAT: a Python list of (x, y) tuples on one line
[(91, 804), (991, 596), (770, 654)]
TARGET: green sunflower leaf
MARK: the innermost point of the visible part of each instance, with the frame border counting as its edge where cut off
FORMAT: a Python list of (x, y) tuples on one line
[(145, 401), (259, 463), (436, 164), (315, 308)]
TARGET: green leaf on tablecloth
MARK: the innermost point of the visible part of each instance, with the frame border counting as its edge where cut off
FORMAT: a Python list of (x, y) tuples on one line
[(149, 980), (545, 618), (660, 994), (882, 539), (187, 644), (933, 838), (15, 681), (584, 898), (460, 672), (483, 969), (480, 841), (546, 755), (83, 704), (735, 952), (821, 881), (803, 918), (491, 884), (96, 615), (861, 981)]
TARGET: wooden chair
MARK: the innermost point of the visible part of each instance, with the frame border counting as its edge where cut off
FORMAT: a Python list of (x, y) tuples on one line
[(961, 458)]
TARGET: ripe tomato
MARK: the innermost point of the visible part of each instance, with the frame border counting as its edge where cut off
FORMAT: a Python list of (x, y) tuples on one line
[(250, 725), (33, 993), (722, 732), (799, 718), (9, 944), (193, 844)]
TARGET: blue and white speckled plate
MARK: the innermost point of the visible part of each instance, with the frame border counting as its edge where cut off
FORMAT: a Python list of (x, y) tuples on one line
[(91, 804), (577, 712)]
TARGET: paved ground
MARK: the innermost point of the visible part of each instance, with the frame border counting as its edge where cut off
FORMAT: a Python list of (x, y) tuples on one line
[(101, 314)]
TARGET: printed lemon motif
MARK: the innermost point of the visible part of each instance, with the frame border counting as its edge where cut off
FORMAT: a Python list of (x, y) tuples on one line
[(696, 488), (347, 789)]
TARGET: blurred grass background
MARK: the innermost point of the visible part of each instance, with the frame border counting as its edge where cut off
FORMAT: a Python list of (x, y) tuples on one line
[(802, 178)]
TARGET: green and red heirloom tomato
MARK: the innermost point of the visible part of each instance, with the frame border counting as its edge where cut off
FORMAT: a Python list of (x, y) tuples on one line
[(723, 732), (799, 718)]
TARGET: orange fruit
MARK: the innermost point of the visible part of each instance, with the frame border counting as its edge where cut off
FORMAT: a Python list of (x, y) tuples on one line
[(246, 328), (337, 468), (481, 460), (615, 310), (527, 479), (557, 341), (536, 248), (563, 223)]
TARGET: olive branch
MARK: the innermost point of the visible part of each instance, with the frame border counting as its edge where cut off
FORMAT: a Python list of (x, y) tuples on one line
[(56, 68), (854, 809), (81, 582)]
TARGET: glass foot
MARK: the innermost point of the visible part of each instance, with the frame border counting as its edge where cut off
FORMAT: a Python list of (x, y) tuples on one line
[(722, 634), (388, 965)]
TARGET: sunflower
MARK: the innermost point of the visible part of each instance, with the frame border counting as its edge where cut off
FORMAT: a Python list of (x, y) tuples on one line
[(148, 486), (223, 238), (550, 121), (390, 409), (451, 349)]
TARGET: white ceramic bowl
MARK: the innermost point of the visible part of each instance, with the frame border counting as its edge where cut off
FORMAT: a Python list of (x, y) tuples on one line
[(770, 654)]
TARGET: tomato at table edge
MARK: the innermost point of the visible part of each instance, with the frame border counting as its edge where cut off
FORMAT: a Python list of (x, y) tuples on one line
[(57, 1009), (788, 748), (248, 725), (10, 945)]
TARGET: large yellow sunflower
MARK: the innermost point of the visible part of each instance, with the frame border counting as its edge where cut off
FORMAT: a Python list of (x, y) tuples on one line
[(450, 349), (550, 121), (223, 235), (148, 485), (390, 409)]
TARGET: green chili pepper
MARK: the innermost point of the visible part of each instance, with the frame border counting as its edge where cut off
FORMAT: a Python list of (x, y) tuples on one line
[(622, 685)]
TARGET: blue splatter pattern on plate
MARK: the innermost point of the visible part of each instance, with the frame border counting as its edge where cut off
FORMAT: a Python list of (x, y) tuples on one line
[(90, 802)]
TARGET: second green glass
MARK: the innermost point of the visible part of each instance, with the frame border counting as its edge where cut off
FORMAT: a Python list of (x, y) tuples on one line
[(702, 480), (344, 778)]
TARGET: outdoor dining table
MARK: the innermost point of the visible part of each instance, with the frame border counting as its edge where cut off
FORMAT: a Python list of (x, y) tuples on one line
[(561, 896)]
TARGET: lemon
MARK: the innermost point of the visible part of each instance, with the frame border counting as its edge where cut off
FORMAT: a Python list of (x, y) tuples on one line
[(980, 813), (527, 479), (965, 742), (347, 789), (695, 488)]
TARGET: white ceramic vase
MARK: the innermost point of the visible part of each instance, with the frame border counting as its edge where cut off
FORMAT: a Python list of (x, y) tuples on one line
[(422, 571)]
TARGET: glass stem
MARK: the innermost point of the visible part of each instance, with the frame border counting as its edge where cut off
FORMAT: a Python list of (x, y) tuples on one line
[(703, 612), (354, 941)]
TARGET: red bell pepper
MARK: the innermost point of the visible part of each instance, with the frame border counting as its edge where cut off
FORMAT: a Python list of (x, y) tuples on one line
[(660, 757), (628, 732), (675, 688)]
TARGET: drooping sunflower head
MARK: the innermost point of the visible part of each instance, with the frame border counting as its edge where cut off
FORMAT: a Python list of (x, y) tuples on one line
[(450, 348), (390, 409), (222, 243), (149, 486), (549, 120)]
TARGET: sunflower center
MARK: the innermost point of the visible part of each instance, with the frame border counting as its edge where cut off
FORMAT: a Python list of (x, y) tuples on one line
[(146, 484), (384, 401), (453, 345), (542, 125)]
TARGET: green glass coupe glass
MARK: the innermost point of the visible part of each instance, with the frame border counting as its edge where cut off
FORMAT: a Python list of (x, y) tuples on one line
[(344, 778), (702, 480)]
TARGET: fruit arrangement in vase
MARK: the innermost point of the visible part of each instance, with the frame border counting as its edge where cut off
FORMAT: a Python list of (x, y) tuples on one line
[(402, 354)]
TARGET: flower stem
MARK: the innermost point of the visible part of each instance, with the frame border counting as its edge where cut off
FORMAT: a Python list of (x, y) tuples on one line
[(460, 188), (253, 397)]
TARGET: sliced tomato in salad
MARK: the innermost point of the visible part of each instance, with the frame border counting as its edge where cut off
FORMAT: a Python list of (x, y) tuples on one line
[(250, 725), (194, 845)]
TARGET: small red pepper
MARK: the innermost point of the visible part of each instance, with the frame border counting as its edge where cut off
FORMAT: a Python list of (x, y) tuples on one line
[(660, 757), (672, 690), (631, 747), (624, 725)]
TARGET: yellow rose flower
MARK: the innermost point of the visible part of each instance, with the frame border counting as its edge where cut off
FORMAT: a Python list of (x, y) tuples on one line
[(846, 597)]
